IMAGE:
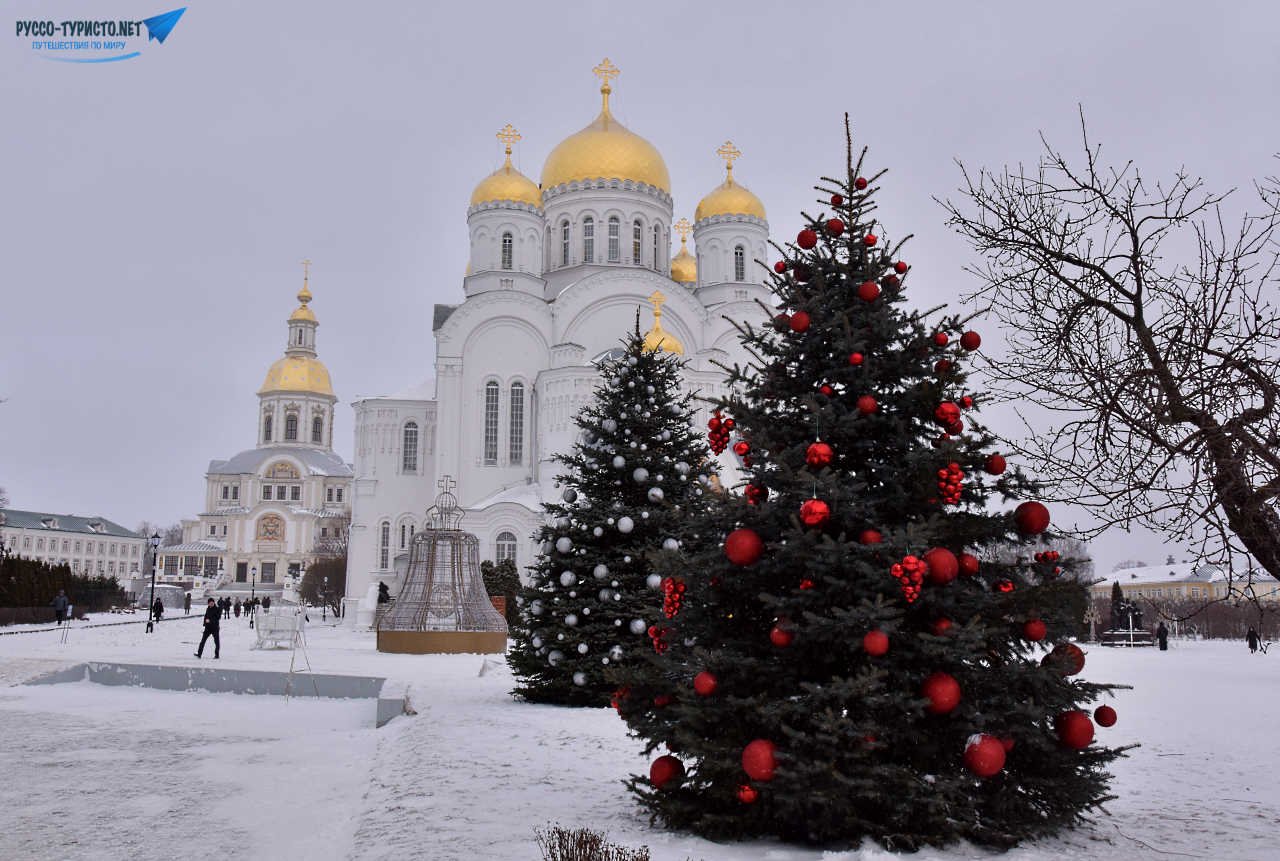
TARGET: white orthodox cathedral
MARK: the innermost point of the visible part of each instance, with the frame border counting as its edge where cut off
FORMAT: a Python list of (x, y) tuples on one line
[(557, 272)]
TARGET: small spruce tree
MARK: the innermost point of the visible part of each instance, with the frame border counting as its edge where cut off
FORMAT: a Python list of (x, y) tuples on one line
[(631, 485), (852, 659)]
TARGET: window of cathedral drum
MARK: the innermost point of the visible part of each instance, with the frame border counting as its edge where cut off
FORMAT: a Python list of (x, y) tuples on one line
[(657, 253), (409, 457), (404, 535), (564, 243), (588, 240), (637, 241), (739, 264), (615, 253), (504, 547), (507, 249), (266, 429), (291, 427), (491, 423), (384, 545), (317, 430), (516, 451)]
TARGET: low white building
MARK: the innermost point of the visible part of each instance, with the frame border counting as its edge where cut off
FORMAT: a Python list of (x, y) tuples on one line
[(89, 545)]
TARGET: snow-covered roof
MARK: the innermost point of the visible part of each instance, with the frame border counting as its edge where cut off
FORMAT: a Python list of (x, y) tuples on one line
[(1182, 572), (317, 461), (95, 525), (421, 391), (195, 547), (528, 495)]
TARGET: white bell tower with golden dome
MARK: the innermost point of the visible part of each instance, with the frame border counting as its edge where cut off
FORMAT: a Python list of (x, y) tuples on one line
[(731, 234), (506, 227)]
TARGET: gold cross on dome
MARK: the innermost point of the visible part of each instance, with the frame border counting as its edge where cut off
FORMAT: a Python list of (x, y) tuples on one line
[(306, 269), (684, 228), (447, 484), (657, 299), (508, 135), (729, 153), (606, 72)]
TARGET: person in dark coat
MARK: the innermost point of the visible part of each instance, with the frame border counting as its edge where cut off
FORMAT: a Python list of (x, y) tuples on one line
[(226, 608), (1162, 636), (266, 603), (236, 608), (212, 615), (60, 606), (1252, 639), (157, 609), (186, 604)]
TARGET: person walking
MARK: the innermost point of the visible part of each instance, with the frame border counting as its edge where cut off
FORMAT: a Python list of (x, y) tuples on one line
[(1252, 639), (212, 615), (157, 609), (61, 603), (186, 604), (1162, 636), (236, 609), (226, 608)]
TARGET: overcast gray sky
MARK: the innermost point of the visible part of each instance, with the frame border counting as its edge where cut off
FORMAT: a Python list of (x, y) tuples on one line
[(154, 211)]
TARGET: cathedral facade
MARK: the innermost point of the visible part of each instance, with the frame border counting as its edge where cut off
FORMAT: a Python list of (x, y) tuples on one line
[(558, 272)]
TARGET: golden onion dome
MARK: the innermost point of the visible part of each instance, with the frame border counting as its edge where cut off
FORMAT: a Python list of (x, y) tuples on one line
[(684, 266), (304, 299), (658, 338), (507, 183), (729, 198), (606, 149), (304, 374)]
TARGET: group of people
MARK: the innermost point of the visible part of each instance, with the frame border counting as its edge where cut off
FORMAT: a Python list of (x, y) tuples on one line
[(229, 608)]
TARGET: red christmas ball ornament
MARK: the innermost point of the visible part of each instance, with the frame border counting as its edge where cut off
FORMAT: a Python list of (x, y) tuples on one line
[(835, 226), (941, 626), (900, 267), (714, 422), (875, 643), (942, 691), (806, 583), (984, 755), (666, 771), (741, 447), (1004, 586), (870, 536), (947, 413), (781, 637), (870, 239), (868, 291), (818, 454), (800, 322), (859, 183), (969, 564), (890, 281), (966, 402), (942, 366), (1105, 716), (943, 565), (867, 405), (705, 684), (759, 760), (826, 390), (806, 238), (1031, 518), (1035, 630), (837, 200), (941, 338), (1066, 659), (747, 794), (814, 513), (1074, 729), (782, 322), (995, 464), (971, 340), (743, 547), (801, 272), (856, 359), (780, 267), (662, 700), (728, 424)]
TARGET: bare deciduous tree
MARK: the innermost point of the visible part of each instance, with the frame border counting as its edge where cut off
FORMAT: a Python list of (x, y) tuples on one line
[(1145, 324)]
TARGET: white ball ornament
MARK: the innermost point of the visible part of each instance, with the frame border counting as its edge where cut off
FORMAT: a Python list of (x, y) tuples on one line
[(536, 608), (670, 544), (579, 678), (625, 525), (653, 581), (638, 626), (631, 360), (616, 653), (601, 571), (644, 515), (537, 642), (562, 523), (650, 389), (613, 583), (582, 648), (568, 578), (682, 468), (570, 495), (597, 532), (605, 594), (564, 544), (555, 657), (609, 425), (640, 474), (656, 494), (571, 619), (626, 558), (619, 461)]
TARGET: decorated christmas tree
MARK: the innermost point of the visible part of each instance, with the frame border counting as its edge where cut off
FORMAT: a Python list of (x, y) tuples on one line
[(851, 660), (630, 490)]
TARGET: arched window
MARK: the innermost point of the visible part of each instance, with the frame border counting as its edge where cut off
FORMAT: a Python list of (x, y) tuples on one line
[(404, 535), (615, 226), (409, 455), (504, 547), (291, 427), (317, 429), (564, 242), (299, 336), (384, 545), (588, 240), (657, 249), (266, 429), (739, 264), (507, 248), (637, 242), (517, 423), (491, 423)]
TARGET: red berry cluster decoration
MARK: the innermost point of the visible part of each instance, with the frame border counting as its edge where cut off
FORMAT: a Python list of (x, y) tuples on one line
[(949, 483), (1048, 556), (719, 430), (659, 637), (672, 596), (756, 493), (615, 701), (910, 575)]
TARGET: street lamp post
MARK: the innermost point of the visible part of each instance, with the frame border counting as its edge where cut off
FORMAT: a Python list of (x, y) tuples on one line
[(324, 601), (155, 563), (253, 583)]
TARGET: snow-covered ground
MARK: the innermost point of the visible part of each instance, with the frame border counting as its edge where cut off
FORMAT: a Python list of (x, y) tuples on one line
[(106, 773)]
